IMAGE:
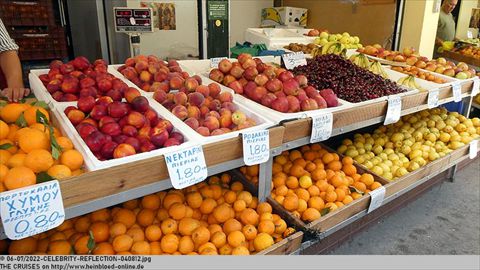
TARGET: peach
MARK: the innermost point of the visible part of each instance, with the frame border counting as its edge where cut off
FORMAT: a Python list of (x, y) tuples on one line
[(238, 117), (104, 85), (159, 138), (226, 120), (129, 73), (141, 66), (75, 116), (123, 150), (130, 131), (215, 105), (145, 76), (70, 85), (217, 132), (145, 86), (176, 82), (160, 86), (191, 84), (95, 141), (214, 114), (117, 109), (140, 104), (216, 75), (107, 150), (211, 123), (160, 96), (225, 97), (225, 65), (229, 106), (171, 142), (196, 99), (180, 111), (147, 147), (160, 76), (214, 90), (204, 90), (130, 62), (203, 131), (136, 119), (85, 129), (112, 129), (192, 122)]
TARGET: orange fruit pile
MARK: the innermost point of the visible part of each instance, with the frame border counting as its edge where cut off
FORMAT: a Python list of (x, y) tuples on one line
[(311, 181), (209, 218), (29, 151), (251, 173)]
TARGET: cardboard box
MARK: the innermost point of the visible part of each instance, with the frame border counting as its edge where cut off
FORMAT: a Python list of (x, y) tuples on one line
[(291, 16)]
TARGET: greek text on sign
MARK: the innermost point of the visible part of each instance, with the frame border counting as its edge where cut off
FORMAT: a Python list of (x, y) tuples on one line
[(433, 98), (377, 196), (186, 167), (394, 110), (31, 210), (293, 60), (322, 126), (214, 61), (457, 91), (476, 87), (472, 153), (256, 147)]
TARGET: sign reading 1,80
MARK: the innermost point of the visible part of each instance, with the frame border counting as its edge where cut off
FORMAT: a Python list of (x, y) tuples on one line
[(186, 167), (31, 210), (256, 147)]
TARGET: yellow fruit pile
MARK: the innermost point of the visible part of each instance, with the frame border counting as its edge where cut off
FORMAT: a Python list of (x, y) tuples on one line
[(207, 218), (311, 182), (397, 149), (26, 152)]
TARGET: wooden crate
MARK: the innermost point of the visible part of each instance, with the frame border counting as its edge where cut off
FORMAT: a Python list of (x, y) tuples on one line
[(461, 58), (284, 247)]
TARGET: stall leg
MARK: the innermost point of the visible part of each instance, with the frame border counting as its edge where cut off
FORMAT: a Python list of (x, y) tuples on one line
[(265, 179), (451, 173)]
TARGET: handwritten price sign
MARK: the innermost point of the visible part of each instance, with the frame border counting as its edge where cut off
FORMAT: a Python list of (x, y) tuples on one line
[(293, 60), (321, 127), (186, 167), (394, 110), (256, 147)]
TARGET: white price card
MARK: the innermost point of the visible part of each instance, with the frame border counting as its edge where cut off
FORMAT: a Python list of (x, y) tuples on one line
[(457, 91), (293, 60), (214, 61), (322, 126), (377, 197), (433, 98), (394, 110), (476, 87), (186, 167), (31, 210), (472, 153), (256, 147), (469, 34)]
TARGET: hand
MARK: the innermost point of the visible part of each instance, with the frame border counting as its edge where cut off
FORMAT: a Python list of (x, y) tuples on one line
[(15, 94)]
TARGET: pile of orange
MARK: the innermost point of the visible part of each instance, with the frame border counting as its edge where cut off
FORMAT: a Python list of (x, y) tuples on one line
[(251, 173), (311, 181), (208, 218), (26, 151)]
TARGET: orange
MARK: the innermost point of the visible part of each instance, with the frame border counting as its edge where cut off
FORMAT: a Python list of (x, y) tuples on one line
[(276, 168), (225, 250), (262, 241), (4, 156), (302, 205), (81, 245), (18, 160), (281, 191), (82, 224), (162, 214), (239, 206), (266, 226), (241, 250), (236, 186), (232, 225), (187, 225), (322, 185), (249, 216), (348, 199), (206, 246), (169, 243), (349, 169), (104, 248), (310, 214), (246, 196), (222, 212), (169, 226), (302, 194), (23, 246), (236, 239), (213, 228), (327, 158), (360, 186), (331, 196), (12, 111), (141, 248), (170, 199), (310, 155), (367, 179), (155, 248), (216, 191), (208, 205), (225, 178), (59, 247), (65, 143), (101, 231), (122, 243), (117, 229), (33, 139), (186, 245), (39, 160), (340, 194), (252, 170), (313, 191), (316, 203), (42, 245), (375, 185), (297, 171), (12, 132), (177, 211), (280, 226), (194, 199), (347, 160), (132, 204), (335, 165), (219, 239), (136, 234), (30, 114), (292, 182), (72, 159), (264, 207), (230, 196), (200, 236), (125, 216), (4, 130), (19, 177), (281, 160), (291, 202), (356, 195), (295, 154), (279, 179), (57, 236), (153, 233), (59, 172), (100, 215), (249, 231)]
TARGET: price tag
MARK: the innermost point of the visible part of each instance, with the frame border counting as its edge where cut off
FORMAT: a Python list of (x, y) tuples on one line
[(433, 98), (457, 91), (186, 167), (31, 210), (476, 87), (377, 196), (322, 126), (473, 149), (214, 61), (256, 147), (293, 60), (469, 34), (394, 110)]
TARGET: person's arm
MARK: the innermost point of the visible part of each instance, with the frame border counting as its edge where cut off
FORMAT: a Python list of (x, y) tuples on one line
[(11, 67), (438, 41)]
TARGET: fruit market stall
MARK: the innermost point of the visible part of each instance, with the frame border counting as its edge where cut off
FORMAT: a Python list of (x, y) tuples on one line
[(120, 125), (469, 55)]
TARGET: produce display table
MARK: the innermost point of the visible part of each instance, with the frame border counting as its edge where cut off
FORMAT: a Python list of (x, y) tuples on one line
[(461, 58)]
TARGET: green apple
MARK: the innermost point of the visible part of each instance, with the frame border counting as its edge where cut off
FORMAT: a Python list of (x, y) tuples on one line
[(332, 38), (324, 35)]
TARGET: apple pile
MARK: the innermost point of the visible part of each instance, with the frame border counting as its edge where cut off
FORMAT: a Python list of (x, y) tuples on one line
[(205, 109), (79, 78), (150, 73), (115, 129), (270, 86)]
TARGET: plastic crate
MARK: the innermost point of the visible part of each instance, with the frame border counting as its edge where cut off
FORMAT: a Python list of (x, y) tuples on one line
[(41, 45), (27, 13)]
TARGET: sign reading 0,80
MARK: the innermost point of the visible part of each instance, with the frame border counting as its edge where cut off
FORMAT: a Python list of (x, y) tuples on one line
[(31, 210)]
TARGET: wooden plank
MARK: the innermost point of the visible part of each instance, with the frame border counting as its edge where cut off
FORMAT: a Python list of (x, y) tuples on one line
[(101, 183), (301, 128), (284, 247), (461, 58)]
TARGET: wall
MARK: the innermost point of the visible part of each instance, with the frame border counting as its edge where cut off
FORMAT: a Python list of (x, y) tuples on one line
[(464, 18), (245, 14), (173, 43), (419, 27), (373, 23)]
